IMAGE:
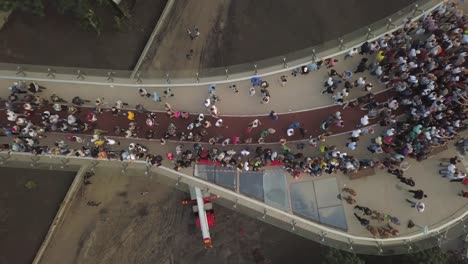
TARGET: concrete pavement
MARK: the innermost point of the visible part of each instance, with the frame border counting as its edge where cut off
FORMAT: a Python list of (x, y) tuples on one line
[(300, 93)]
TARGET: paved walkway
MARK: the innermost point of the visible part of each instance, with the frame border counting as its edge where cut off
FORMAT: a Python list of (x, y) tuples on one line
[(300, 93), (381, 192), (310, 121)]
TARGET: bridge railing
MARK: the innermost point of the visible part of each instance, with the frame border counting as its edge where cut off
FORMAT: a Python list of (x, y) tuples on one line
[(424, 237), (228, 74)]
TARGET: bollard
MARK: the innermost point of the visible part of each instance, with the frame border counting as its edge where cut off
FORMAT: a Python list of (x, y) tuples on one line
[(255, 69), (20, 71), (138, 75), (50, 73), (81, 75), (285, 65), (198, 77), (110, 76), (235, 203), (227, 73)]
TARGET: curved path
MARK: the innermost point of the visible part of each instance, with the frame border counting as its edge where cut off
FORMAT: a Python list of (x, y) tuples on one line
[(233, 126)]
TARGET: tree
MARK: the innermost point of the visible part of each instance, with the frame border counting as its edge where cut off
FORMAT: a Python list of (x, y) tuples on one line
[(35, 7), (83, 10), (432, 256), (335, 256)]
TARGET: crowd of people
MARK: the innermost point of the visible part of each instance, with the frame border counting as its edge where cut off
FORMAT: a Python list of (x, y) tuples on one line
[(423, 63)]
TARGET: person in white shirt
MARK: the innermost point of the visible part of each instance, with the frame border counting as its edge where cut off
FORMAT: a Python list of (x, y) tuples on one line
[(351, 53), (352, 145), (245, 152), (420, 206), (219, 123), (364, 121), (356, 133)]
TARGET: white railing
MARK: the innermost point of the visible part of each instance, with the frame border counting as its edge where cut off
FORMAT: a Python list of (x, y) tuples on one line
[(263, 208)]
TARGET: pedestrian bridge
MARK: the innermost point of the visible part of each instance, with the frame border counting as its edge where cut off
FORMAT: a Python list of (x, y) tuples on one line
[(312, 211)]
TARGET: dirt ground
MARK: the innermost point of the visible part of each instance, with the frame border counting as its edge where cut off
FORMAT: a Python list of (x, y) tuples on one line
[(234, 32), (26, 214), (59, 40), (141, 220), (261, 29)]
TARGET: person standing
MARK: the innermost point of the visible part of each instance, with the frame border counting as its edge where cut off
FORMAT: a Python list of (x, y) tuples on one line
[(420, 206), (418, 194), (351, 53), (274, 115)]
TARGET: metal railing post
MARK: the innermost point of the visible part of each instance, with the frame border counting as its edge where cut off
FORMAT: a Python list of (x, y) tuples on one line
[(314, 55), (342, 45), (34, 161), (64, 163), (379, 249), (94, 164), (80, 75), (168, 80), (110, 76), (50, 73), (409, 247), (369, 33), (20, 71), (178, 180), (3, 159), (147, 169), (293, 225), (390, 23), (138, 77), (322, 236), (124, 168), (416, 9), (350, 242)]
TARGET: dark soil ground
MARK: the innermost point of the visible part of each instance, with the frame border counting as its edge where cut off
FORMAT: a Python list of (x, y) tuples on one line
[(59, 40), (26, 214), (260, 29)]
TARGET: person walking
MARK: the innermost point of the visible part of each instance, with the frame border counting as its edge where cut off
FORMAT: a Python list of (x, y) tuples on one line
[(351, 53), (418, 194), (420, 206)]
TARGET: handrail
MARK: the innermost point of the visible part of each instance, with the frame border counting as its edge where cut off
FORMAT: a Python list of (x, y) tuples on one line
[(128, 82), (340, 234)]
